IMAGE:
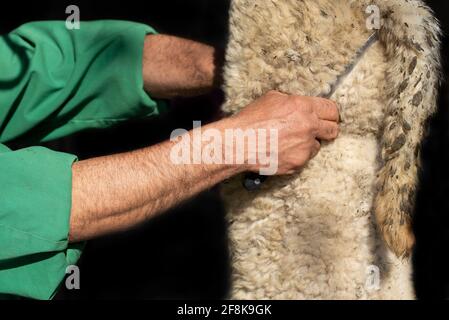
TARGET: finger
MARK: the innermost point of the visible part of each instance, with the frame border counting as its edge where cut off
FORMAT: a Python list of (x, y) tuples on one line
[(327, 130), (326, 109)]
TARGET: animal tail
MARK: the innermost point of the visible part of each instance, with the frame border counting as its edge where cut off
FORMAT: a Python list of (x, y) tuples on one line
[(411, 36)]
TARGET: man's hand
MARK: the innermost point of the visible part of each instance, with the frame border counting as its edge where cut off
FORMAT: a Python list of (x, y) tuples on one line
[(302, 122), (174, 67), (117, 192)]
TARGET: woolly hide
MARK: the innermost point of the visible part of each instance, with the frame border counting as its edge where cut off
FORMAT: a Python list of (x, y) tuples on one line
[(322, 233)]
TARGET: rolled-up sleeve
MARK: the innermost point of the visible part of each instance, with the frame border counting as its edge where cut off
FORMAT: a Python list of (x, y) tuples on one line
[(35, 204), (55, 82)]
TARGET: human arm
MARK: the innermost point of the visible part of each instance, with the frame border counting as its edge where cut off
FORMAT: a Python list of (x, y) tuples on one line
[(56, 82), (174, 67), (114, 193)]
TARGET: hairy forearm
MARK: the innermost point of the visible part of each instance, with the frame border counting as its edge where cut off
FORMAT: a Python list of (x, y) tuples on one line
[(118, 192), (115, 193), (174, 67)]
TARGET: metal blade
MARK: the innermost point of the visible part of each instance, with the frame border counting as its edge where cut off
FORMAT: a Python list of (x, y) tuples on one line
[(350, 67)]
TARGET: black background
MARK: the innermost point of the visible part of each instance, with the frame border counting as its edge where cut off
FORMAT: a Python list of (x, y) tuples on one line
[(183, 254)]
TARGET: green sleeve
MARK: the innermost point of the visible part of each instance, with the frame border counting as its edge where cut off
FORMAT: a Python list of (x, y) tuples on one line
[(35, 203), (55, 81)]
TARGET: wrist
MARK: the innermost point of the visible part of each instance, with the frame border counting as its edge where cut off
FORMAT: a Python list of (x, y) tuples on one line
[(234, 148)]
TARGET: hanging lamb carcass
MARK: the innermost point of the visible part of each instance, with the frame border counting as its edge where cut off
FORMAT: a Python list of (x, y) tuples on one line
[(340, 228)]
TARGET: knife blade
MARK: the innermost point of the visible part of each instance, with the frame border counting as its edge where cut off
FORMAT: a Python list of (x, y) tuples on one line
[(350, 67)]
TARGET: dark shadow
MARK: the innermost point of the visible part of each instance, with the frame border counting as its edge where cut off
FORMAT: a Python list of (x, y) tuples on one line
[(431, 258)]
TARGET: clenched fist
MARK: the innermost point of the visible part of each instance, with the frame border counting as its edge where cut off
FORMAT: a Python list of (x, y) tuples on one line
[(301, 123)]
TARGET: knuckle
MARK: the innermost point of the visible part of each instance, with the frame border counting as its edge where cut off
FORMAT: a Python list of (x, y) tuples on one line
[(313, 126), (308, 127), (306, 106), (298, 102)]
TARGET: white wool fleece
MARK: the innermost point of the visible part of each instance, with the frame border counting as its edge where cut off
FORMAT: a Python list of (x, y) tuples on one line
[(336, 229)]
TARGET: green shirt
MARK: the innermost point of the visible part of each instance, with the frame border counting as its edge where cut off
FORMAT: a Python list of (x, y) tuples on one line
[(54, 82)]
